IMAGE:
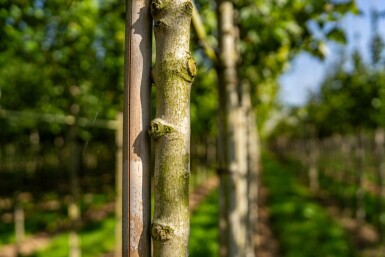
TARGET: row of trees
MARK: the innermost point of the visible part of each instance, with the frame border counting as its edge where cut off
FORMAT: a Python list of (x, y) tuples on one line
[(71, 59), (338, 135), (346, 168), (236, 164)]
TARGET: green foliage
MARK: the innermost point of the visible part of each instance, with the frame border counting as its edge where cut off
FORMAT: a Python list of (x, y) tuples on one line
[(94, 241), (62, 57), (303, 227), (349, 100), (273, 32), (337, 35), (204, 228)]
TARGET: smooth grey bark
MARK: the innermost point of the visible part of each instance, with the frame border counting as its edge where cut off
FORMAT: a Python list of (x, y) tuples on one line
[(136, 194), (379, 141), (19, 223), (233, 155), (253, 170), (313, 164), (173, 74), (118, 184), (360, 191), (73, 207)]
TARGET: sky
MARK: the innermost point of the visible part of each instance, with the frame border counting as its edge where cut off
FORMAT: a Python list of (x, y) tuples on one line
[(306, 72)]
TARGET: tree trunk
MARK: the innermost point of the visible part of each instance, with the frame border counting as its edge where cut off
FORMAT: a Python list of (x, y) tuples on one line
[(118, 184), (233, 156), (136, 214), (313, 166), (346, 151), (379, 151), (253, 170), (19, 224), (73, 207), (173, 75), (360, 192)]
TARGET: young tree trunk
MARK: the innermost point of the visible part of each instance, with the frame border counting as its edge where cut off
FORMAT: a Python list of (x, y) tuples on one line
[(253, 170), (379, 150), (73, 207), (19, 224), (346, 152), (136, 214), (173, 75), (118, 184), (360, 192), (233, 159), (313, 160)]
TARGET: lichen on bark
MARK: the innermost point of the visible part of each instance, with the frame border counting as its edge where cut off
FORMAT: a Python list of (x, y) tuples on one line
[(161, 232), (158, 128), (173, 74)]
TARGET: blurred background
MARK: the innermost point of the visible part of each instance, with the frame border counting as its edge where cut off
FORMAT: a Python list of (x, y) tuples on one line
[(316, 70)]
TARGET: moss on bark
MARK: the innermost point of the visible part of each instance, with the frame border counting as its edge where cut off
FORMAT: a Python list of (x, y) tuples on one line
[(173, 74)]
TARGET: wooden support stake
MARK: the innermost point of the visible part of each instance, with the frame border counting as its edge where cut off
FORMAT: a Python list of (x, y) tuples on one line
[(136, 119), (118, 184)]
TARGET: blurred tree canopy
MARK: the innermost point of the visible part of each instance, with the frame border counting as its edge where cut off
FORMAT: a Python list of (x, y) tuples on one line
[(61, 57), (66, 57), (271, 33), (349, 100)]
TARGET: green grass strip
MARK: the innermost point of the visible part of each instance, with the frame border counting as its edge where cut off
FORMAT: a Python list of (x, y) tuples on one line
[(204, 228), (95, 240), (303, 227)]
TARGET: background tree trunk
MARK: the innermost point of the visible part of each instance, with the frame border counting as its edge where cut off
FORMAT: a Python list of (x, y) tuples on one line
[(313, 164), (118, 184), (253, 170), (379, 150), (360, 191), (173, 75), (233, 160), (73, 207)]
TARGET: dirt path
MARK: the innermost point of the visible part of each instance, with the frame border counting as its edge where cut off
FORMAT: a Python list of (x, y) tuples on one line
[(26, 247), (267, 244)]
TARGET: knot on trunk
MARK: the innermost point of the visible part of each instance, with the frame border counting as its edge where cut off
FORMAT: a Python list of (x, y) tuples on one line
[(158, 5), (191, 67), (159, 128), (161, 232), (184, 67), (187, 8)]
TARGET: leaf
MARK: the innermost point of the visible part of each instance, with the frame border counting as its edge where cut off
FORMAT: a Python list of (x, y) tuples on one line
[(344, 8), (336, 34)]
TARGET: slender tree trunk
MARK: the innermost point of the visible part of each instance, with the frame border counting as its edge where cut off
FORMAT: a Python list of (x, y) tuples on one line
[(360, 192), (379, 151), (346, 151), (73, 207), (173, 75), (118, 184), (136, 215), (233, 169), (253, 171), (19, 224), (313, 169)]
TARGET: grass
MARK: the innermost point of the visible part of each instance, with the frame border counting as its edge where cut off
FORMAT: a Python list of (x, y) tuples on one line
[(96, 239), (302, 226), (99, 238), (37, 220), (204, 228)]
